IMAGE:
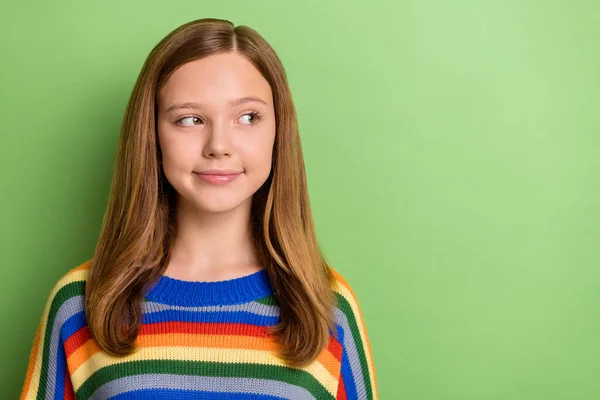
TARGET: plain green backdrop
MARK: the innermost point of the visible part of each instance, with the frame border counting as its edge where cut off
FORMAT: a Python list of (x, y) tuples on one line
[(452, 152)]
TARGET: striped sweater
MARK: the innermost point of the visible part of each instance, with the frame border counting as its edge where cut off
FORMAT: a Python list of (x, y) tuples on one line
[(203, 340)]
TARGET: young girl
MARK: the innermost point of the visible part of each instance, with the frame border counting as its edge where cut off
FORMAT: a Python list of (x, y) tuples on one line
[(207, 280)]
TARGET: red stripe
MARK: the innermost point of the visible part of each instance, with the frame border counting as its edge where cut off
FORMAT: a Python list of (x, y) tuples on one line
[(208, 328), (69, 394), (341, 393), (79, 338), (335, 348), (76, 340)]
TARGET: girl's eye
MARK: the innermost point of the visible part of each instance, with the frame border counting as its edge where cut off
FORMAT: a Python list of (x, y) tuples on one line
[(254, 117), (191, 117)]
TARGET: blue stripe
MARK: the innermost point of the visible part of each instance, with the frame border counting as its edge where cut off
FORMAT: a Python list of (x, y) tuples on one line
[(212, 316), (61, 367), (73, 324), (349, 383)]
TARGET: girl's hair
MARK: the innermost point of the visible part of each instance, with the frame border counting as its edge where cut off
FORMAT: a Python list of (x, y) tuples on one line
[(138, 227)]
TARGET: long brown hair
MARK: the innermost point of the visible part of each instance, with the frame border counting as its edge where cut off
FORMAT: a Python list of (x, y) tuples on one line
[(138, 228)]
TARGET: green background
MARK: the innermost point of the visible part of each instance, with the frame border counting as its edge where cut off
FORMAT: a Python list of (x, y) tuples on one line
[(452, 152)]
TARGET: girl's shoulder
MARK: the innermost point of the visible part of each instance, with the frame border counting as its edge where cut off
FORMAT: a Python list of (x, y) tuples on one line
[(73, 281), (67, 292), (343, 289), (359, 380), (346, 299)]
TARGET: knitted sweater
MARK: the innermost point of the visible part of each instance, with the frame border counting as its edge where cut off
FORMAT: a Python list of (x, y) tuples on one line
[(203, 340)]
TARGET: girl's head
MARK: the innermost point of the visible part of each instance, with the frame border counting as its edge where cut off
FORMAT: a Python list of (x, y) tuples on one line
[(210, 96)]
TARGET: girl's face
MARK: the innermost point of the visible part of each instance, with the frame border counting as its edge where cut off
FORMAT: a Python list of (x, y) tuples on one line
[(216, 113)]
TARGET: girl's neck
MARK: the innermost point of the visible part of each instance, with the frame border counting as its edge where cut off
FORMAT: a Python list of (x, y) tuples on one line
[(212, 246)]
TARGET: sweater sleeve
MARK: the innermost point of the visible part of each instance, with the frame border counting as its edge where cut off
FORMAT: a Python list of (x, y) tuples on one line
[(357, 376), (47, 374)]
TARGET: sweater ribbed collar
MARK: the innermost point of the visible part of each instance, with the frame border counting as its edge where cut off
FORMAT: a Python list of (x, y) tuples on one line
[(199, 293)]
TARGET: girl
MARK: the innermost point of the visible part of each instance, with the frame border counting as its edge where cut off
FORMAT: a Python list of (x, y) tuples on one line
[(207, 280)]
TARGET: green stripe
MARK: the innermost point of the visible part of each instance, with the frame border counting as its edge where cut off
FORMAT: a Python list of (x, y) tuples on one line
[(344, 306), (65, 293), (270, 300), (289, 375)]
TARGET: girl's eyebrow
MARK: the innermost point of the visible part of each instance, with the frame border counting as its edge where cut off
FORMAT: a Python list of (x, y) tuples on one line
[(232, 103)]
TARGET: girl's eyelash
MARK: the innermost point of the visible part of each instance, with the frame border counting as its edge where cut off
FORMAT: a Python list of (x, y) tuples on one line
[(178, 120), (254, 114)]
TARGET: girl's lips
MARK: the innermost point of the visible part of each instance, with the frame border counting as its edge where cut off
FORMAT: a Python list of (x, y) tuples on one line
[(217, 178)]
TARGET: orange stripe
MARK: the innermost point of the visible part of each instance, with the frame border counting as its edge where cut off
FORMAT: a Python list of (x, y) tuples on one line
[(215, 341), (329, 362), (32, 360), (85, 265), (228, 342), (81, 355), (89, 348)]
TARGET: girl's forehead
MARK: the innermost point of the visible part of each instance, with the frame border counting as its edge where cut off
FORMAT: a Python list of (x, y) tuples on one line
[(218, 80), (220, 69)]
